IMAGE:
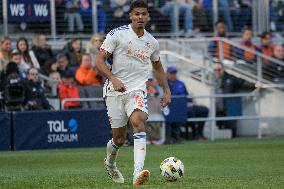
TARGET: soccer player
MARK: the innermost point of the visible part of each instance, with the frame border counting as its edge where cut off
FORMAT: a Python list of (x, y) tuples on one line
[(133, 51)]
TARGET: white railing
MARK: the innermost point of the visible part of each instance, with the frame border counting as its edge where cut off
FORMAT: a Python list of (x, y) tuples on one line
[(196, 52)]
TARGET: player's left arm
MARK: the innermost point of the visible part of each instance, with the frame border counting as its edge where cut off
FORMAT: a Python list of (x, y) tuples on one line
[(160, 75)]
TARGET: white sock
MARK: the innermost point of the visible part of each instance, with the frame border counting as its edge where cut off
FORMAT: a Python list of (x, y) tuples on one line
[(112, 150), (139, 151)]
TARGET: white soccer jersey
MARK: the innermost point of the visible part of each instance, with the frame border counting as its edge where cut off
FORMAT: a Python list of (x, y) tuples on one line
[(132, 57)]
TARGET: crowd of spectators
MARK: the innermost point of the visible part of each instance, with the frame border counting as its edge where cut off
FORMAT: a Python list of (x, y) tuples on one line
[(243, 55), (68, 70)]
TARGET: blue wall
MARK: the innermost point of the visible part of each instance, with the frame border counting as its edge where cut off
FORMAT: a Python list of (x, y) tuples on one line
[(5, 131), (54, 129)]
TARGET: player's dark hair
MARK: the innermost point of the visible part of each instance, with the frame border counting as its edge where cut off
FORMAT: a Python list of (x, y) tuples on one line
[(138, 4)]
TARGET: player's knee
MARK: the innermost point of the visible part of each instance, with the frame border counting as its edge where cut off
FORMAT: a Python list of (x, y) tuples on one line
[(119, 140), (138, 125)]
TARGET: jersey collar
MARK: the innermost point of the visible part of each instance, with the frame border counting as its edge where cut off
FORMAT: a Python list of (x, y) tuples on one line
[(133, 32)]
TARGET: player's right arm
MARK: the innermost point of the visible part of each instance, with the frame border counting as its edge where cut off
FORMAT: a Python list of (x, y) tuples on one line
[(108, 47), (101, 57)]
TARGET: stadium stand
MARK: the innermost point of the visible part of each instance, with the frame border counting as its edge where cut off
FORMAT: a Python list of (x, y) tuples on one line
[(192, 56)]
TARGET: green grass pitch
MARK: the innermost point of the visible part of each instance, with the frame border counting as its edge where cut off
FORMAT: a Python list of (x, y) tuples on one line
[(237, 163)]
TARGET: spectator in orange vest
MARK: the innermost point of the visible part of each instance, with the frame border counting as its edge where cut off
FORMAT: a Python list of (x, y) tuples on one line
[(214, 46), (266, 46), (87, 74), (244, 55), (68, 89)]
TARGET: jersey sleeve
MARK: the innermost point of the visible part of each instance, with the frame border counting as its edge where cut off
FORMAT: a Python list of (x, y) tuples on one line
[(156, 54), (110, 42)]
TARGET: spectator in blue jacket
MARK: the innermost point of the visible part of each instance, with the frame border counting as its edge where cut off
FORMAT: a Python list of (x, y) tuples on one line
[(177, 88)]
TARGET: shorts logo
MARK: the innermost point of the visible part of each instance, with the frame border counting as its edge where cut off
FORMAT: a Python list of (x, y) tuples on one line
[(139, 100)]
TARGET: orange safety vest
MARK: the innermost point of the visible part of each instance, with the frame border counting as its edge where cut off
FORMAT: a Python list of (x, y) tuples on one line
[(88, 76), (248, 55), (68, 91), (226, 49), (267, 51)]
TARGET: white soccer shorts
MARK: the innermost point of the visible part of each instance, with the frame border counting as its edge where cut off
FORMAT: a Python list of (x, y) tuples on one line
[(121, 107)]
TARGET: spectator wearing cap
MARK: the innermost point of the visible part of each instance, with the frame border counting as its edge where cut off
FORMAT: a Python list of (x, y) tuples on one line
[(178, 88), (16, 57), (87, 74), (68, 89)]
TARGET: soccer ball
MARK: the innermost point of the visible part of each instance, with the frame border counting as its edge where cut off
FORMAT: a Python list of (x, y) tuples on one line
[(172, 169)]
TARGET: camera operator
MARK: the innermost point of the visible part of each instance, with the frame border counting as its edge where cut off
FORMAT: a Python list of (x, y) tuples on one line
[(36, 99), (12, 87)]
